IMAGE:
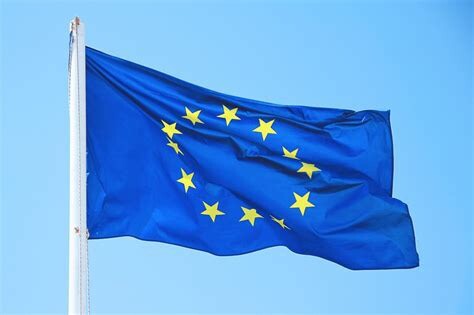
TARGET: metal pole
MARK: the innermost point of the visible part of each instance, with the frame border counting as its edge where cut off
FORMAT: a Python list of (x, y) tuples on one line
[(78, 253)]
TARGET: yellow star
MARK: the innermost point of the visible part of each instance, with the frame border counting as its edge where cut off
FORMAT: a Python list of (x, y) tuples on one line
[(265, 128), (186, 180), (281, 222), (308, 168), (212, 211), (193, 117), (229, 114), (170, 129), (290, 154), (302, 202), (250, 215), (175, 146)]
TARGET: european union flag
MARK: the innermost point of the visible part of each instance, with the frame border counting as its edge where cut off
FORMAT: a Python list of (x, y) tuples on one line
[(172, 162)]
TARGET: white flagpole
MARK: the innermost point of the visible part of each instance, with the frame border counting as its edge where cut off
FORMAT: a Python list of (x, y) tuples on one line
[(78, 253)]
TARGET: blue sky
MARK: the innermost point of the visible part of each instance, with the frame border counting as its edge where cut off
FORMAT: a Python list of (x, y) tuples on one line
[(414, 58)]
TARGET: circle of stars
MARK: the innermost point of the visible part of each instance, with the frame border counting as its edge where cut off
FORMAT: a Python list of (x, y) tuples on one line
[(265, 128)]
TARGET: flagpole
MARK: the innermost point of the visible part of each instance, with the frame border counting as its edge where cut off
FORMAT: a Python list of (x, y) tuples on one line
[(78, 253)]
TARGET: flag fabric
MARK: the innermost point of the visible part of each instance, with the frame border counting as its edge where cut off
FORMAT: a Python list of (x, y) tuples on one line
[(173, 162)]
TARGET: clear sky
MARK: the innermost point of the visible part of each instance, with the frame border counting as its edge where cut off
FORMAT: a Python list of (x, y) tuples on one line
[(414, 58)]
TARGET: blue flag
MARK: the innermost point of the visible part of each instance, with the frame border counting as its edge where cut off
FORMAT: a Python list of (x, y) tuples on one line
[(172, 162)]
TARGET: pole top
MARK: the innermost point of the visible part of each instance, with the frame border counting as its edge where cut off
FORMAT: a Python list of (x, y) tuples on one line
[(75, 22)]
